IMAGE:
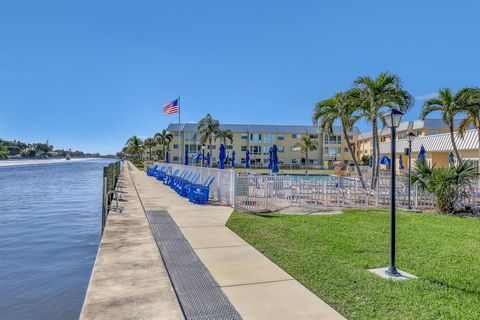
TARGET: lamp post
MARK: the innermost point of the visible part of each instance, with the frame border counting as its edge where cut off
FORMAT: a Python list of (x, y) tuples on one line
[(203, 152), (392, 119), (410, 138)]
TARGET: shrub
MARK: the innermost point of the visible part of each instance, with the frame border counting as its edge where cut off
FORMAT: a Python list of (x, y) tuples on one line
[(445, 183)]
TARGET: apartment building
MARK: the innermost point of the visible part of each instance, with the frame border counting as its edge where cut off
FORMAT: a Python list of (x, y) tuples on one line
[(420, 128), (258, 139)]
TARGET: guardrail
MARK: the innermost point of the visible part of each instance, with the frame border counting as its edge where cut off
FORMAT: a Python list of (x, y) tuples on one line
[(111, 174)]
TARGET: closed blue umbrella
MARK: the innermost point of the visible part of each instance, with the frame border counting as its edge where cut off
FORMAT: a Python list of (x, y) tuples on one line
[(400, 162), (421, 155), (451, 159), (167, 156), (221, 157), (385, 160), (247, 160), (370, 161), (208, 159), (270, 163), (185, 161), (274, 159), (232, 159), (197, 157)]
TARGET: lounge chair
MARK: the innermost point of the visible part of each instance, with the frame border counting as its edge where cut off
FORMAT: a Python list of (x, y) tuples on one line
[(199, 193), (151, 171)]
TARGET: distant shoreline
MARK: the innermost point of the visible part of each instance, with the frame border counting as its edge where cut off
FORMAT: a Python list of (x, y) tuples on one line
[(35, 161)]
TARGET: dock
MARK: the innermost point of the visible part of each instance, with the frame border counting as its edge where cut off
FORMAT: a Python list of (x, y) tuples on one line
[(138, 276)]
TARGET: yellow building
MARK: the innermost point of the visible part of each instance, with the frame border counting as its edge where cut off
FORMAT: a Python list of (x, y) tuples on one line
[(258, 139), (420, 128)]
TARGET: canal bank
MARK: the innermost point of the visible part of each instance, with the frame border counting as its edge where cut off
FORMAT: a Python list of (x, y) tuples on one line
[(256, 287)]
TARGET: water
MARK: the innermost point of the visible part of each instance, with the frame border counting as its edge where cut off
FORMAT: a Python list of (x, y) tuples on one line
[(50, 221)]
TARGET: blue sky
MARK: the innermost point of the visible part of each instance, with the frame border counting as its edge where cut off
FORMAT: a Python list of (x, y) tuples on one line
[(89, 74)]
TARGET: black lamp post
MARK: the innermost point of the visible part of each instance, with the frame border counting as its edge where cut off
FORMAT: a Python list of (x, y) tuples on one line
[(392, 119), (203, 152), (410, 138)]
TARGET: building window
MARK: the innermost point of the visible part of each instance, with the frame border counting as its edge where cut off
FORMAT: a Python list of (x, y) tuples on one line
[(255, 149), (255, 137), (280, 136), (332, 139), (189, 136), (434, 131), (175, 146), (295, 161), (244, 136), (330, 151), (294, 149), (176, 133), (295, 136), (339, 139), (213, 147), (175, 159), (314, 136), (244, 148), (312, 161), (242, 160), (281, 148), (350, 137), (345, 149), (269, 138), (230, 147)]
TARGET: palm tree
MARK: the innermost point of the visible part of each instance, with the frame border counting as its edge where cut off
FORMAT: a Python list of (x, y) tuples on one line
[(471, 98), (224, 135), (339, 107), (135, 147), (371, 95), (207, 130), (163, 138), (449, 106), (305, 145), (149, 143)]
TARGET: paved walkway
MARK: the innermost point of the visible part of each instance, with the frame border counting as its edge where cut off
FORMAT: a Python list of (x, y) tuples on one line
[(256, 287), (129, 280)]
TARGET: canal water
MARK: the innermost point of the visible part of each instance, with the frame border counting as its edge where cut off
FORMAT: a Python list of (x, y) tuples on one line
[(50, 221)]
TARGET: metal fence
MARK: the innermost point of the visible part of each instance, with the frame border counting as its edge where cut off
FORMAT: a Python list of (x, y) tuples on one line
[(257, 193), (111, 174), (222, 187)]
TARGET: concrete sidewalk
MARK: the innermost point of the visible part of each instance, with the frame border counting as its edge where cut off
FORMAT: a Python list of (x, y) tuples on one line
[(256, 287), (129, 280)]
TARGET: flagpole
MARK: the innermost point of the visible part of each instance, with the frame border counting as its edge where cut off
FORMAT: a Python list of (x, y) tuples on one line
[(179, 134)]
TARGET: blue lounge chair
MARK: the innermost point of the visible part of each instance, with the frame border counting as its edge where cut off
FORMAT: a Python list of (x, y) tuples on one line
[(185, 189), (160, 174), (150, 171), (199, 193), (169, 177)]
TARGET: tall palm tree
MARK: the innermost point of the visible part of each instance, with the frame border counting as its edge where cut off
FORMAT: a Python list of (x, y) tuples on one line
[(449, 105), (224, 135), (135, 147), (149, 143), (371, 95), (305, 145), (207, 130), (339, 107), (163, 139), (471, 98)]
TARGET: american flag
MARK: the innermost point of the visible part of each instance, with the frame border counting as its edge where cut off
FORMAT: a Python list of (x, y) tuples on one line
[(171, 107)]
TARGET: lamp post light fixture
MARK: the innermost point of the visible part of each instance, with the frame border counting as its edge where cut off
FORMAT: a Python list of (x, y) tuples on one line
[(410, 138), (203, 152), (392, 119)]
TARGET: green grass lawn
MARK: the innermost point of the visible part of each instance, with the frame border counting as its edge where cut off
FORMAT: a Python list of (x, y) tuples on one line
[(330, 255)]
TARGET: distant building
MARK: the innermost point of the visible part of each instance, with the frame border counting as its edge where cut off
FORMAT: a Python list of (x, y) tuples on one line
[(258, 139)]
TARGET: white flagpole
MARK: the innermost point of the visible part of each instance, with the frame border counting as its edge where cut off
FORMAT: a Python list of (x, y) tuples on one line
[(179, 134)]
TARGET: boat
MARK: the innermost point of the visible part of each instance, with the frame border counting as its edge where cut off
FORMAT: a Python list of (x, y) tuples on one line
[(67, 158)]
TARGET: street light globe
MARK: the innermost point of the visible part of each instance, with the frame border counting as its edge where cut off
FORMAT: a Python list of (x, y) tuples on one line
[(393, 118), (410, 136), (203, 146)]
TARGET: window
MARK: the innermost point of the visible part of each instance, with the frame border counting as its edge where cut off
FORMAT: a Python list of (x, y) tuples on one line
[(339, 139), (175, 146), (230, 147), (345, 149), (244, 148), (314, 136), (295, 161), (281, 148), (244, 136), (332, 139), (269, 138), (176, 133), (242, 160), (312, 161), (434, 131), (213, 147), (175, 159), (256, 149), (295, 136), (255, 137), (280, 136), (189, 136), (350, 137), (295, 149), (330, 151)]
